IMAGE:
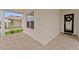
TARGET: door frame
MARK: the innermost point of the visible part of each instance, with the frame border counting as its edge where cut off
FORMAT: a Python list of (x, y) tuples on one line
[(66, 31)]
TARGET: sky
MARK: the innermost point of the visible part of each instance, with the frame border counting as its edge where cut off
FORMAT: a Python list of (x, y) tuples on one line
[(12, 14)]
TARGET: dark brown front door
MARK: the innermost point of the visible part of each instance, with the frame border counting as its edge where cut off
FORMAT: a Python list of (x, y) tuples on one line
[(69, 23)]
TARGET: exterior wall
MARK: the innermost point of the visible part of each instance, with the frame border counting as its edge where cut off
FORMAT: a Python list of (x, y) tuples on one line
[(78, 22), (17, 23), (47, 25)]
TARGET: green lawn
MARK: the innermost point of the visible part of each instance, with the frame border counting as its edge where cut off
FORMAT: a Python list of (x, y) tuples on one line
[(13, 31)]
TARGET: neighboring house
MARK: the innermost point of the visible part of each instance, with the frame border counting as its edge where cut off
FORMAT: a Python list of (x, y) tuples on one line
[(13, 21)]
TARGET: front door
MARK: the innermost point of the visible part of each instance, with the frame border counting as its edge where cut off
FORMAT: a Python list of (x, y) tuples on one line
[(69, 23)]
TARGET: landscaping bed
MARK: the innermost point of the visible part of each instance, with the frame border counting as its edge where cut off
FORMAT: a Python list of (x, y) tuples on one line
[(13, 31)]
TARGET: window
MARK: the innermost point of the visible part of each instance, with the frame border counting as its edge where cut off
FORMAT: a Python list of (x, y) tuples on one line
[(30, 20), (32, 24)]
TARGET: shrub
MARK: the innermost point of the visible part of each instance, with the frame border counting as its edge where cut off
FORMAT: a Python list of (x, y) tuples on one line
[(13, 31)]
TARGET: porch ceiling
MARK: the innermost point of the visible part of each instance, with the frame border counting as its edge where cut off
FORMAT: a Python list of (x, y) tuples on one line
[(23, 11)]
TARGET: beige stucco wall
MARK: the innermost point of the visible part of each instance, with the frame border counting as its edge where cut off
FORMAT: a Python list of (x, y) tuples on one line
[(78, 22), (17, 23), (47, 25)]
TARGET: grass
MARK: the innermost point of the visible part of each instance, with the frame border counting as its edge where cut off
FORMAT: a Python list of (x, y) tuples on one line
[(13, 31)]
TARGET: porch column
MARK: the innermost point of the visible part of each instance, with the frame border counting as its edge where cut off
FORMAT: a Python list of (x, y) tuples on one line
[(2, 23), (7, 24), (24, 22)]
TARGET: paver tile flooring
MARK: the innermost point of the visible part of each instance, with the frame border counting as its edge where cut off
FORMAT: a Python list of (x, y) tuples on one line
[(22, 41)]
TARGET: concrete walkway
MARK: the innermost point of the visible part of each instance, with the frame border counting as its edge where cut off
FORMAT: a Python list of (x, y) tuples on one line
[(23, 42)]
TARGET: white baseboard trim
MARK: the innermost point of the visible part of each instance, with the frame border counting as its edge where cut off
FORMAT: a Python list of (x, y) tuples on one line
[(51, 39)]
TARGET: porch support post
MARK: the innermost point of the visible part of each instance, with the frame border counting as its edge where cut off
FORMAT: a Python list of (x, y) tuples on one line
[(2, 30)]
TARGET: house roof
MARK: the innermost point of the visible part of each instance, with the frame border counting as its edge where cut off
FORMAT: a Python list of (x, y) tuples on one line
[(14, 17)]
